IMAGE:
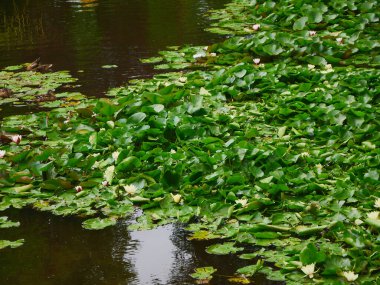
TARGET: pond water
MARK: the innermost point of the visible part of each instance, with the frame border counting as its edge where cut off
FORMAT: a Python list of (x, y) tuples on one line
[(57, 251), (81, 36)]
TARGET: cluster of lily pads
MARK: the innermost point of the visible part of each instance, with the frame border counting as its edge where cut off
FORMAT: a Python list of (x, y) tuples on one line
[(27, 87), (268, 144)]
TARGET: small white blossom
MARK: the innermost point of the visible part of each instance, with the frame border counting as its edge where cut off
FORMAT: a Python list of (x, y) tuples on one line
[(115, 155), (312, 33), (350, 276), (256, 60), (373, 215), (305, 154), (105, 183), (242, 202), (2, 153), (16, 139), (256, 27), (377, 202), (309, 270), (339, 40), (176, 198), (130, 189), (78, 188)]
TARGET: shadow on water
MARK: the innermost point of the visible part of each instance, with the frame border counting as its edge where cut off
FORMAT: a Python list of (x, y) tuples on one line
[(83, 35), (59, 251)]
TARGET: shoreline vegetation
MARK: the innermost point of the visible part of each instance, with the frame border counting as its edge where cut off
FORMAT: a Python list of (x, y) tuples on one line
[(267, 143)]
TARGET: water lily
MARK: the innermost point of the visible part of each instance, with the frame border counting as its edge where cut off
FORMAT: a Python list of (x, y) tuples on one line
[(350, 275), (242, 202), (2, 153), (198, 55), (358, 222), (172, 151), (66, 121), (309, 270), (115, 155), (256, 27), (78, 188), (205, 48), (105, 183), (377, 203), (339, 40), (310, 66), (373, 215), (130, 189), (16, 139), (312, 33), (212, 54), (256, 60), (176, 198), (305, 154)]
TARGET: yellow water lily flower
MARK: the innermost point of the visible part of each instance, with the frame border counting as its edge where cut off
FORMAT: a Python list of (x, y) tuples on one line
[(176, 198)]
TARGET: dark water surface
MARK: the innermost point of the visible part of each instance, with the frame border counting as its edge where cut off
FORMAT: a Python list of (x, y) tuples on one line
[(84, 35), (57, 251)]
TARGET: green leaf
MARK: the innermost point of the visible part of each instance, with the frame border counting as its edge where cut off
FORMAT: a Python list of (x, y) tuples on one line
[(223, 248), (300, 23), (98, 223)]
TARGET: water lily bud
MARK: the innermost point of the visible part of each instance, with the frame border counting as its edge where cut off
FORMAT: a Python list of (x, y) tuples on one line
[(16, 139), (377, 202), (350, 276), (339, 40), (130, 189), (373, 215), (312, 33), (78, 188), (105, 183), (256, 27), (309, 270), (176, 198), (256, 60), (2, 153)]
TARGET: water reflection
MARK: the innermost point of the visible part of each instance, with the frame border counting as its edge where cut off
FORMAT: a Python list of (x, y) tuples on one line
[(84, 35), (59, 251)]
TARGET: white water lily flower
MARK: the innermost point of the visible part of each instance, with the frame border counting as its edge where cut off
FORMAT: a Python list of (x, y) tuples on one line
[(176, 198), (377, 203), (305, 154), (66, 121), (105, 183), (172, 151), (373, 215), (358, 222), (350, 276), (130, 189), (242, 202), (16, 139), (78, 188), (309, 270), (256, 60), (310, 66), (256, 27), (212, 54), (2, 153), (205, 48), (115, 155), (198, 55), (339, 40), (312, 33)]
